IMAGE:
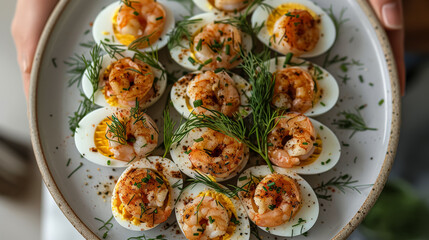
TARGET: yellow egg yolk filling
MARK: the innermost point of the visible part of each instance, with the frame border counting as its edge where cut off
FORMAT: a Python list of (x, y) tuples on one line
[(284, 9), (100, 140)]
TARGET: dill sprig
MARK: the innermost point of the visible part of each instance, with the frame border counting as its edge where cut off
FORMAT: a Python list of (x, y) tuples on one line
[(93, 67), (137, 113), (89, 44), (118, 129), (143, 237), (76, 70), (85, 107), (129, 4), (206, 180), (352, 121), (264, 116), (181, 31), (342, 183), (152, 59), (172, 135), (113, 49), (107, 225), (338, 22)]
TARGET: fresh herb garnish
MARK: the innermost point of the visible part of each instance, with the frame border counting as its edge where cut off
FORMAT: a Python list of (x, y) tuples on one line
[(106, 226), (352, 121), (341, 183)]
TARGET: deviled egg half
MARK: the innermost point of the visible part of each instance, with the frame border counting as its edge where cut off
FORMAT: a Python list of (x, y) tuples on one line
[(226, 7), (302, 145), (114, 137), (302, 86), (211, 153), (281, 203), (224, 92), (296, 26), (204, 213), (213, 45), (123, 79), (123, 22), (145, 193)]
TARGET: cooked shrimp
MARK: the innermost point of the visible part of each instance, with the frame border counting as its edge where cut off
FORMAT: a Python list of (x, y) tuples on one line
[(204, 218), (141, 136), (231, 5), (145, 195), (217, 45), (129, 80), (293, 90), (216, 91), (216, 154), (142, 18), (273, 201), (291, 140), (296, 32)]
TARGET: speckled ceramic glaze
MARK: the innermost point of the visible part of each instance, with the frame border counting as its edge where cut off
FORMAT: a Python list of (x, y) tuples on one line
[(366, 157)]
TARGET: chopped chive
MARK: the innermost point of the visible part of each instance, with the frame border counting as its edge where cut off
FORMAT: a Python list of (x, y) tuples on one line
[(227, 49), (198, 103), (271, 184), (199, 139), (305, 143), (80, 165), (242, 178), (159, 18), (191, 60), (361, 79), (108, 162), (189, 151), (199, 45), (219, 59), (381, 102)]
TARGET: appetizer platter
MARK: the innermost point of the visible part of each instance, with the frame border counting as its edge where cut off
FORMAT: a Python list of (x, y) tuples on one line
[(214, 119)]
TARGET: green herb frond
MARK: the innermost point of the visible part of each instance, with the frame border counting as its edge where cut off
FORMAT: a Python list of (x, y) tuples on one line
[(76, 70), (137, 113), (352, 121), (113, 49), (118, 130), (85, 107), (341, 183), (93, 68), (143, 237), (203, 179), (180, 32), (107, 226)]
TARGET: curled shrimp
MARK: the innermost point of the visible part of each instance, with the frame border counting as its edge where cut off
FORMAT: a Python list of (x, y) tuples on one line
[(129, 80), (216, 91), (204, 218), (230, 5), (293, 90), (291, 140), (296, 32), (216, 154), (141, 136), (273, 201), (217, 45), (142, 18), (145, 195)]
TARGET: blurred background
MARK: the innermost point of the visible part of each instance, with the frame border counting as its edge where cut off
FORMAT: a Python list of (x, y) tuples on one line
[(401, 212)]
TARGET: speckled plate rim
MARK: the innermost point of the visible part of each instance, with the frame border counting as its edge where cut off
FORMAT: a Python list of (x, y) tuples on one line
[(342, 234)]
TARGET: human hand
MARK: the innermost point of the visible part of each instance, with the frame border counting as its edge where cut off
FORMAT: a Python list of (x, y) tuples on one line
[(390, 14), (27, 26)]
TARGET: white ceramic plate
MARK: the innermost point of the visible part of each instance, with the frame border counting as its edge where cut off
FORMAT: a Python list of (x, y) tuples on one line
[(83, 196)]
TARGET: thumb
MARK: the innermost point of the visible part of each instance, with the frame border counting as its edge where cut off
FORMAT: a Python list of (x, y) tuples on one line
[(389, 12)]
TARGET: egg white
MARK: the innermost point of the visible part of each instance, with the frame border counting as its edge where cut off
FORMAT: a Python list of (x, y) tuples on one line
[(169, 171), (331, 149), (327, 27), (181, 101), (181, 159), (309, 210), (242, 231), (103, 26), (206, 6), (327, 84), (99, 97), (84, 137), (181, 54)]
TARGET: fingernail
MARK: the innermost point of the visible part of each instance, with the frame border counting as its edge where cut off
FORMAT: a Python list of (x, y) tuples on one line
[(392, 15)]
